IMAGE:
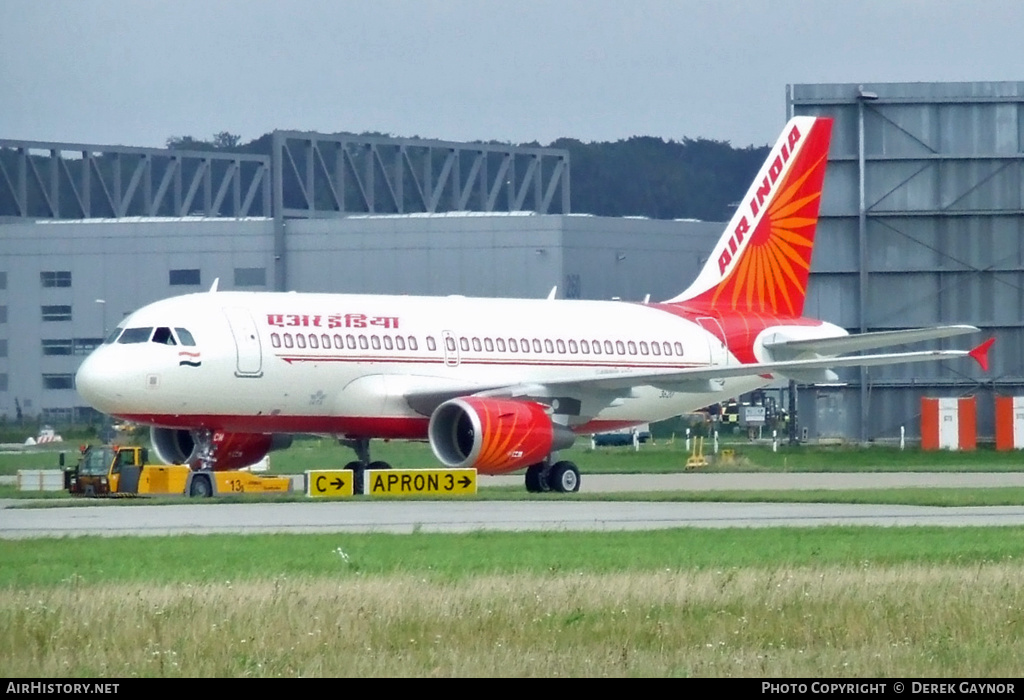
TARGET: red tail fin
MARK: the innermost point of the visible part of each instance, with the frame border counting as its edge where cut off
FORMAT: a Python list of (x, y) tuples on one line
[(762, 261)]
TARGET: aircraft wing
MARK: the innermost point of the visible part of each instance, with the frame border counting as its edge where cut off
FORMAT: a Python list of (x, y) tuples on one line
[(702, 378), (587, 396)]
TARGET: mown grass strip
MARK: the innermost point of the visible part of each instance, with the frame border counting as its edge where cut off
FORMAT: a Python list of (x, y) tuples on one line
[(218, 558)]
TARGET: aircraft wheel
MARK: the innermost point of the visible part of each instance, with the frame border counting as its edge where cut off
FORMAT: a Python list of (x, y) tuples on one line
[(564, 477), (378, 465), (537, 478), (201, 487)]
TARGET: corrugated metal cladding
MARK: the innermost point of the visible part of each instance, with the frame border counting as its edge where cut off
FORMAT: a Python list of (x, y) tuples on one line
[(922, 223), (67, 283)]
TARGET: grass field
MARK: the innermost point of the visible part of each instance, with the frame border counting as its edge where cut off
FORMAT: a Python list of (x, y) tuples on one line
[(842, 602), (780, 603)]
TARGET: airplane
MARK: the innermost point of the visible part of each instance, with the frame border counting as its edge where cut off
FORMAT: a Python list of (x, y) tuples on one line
[(501, 385)]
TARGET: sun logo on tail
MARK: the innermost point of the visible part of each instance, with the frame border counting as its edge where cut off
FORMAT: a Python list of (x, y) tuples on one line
[(771, 275), (762, 261)]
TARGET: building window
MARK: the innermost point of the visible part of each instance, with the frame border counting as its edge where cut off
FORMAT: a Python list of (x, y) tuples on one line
[(3, 280), (57, 415), (3, 347), (3, 314), (55, 278), (250, 277), (61, 346), (184, 277), (83, 346), (57, 313), (3, 381), (58, 381)]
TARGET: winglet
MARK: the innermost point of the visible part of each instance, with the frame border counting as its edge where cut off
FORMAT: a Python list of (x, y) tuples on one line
[(553, 292), (213, 287), (980, 354)]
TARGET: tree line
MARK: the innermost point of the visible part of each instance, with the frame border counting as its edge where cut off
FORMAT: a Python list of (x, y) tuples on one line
[(639, 176)]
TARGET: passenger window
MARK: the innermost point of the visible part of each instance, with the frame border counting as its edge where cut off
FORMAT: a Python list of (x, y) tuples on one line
[(597, 347), (643, 347), (631, 347), (414, 346), (350, 341), (655, 348), (163, 336), (512, 346), (363, 343), (431, 343), (536, 345), (288, 340), (325, 341), (275, 340), (185, 337), (388, 343), (620, 347), (449, 342), (608, 349), (500, 342), (400, 342), (679, 348), (574, 346), (300, 340), (338, 342), (476, 345), (524, 344), (488, 345), (375, 342), (549, 347), (313, 342), (464, 344)]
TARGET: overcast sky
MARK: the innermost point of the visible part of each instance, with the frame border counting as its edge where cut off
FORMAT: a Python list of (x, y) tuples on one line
[(136, 72)]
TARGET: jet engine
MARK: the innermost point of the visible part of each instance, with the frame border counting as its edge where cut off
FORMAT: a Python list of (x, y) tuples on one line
[(230, 450), (494, 435)]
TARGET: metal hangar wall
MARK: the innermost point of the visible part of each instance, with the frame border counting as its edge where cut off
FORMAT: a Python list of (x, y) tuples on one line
[(922, 223)]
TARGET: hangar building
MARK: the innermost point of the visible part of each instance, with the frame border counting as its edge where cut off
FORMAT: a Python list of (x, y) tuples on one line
[(921, 223), (93, 232)]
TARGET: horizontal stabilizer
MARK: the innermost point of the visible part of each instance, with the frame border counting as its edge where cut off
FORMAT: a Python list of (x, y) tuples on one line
[(844, 344)]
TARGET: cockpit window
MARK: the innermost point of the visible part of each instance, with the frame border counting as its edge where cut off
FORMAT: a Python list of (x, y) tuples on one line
[(113, 336), (164, 337), (135, 335), (184, 336)]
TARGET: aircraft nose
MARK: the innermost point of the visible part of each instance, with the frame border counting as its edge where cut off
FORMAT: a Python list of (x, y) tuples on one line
[(99, 383)]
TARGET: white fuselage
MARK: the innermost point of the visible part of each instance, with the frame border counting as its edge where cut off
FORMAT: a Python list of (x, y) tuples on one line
[(346, 364)]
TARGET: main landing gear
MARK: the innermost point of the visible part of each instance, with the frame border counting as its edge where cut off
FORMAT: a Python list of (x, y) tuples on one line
[(361, 446), (562, 477)]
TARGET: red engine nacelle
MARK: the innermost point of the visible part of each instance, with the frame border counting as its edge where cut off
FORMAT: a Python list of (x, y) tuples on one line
[(230, 450), (494, 435)]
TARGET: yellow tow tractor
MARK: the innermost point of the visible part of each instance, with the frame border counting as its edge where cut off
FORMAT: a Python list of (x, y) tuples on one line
[(124, 471)]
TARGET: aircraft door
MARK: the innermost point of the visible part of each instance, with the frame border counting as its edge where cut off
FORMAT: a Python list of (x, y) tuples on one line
[(719, 352), (248, 349), (451, 349)]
